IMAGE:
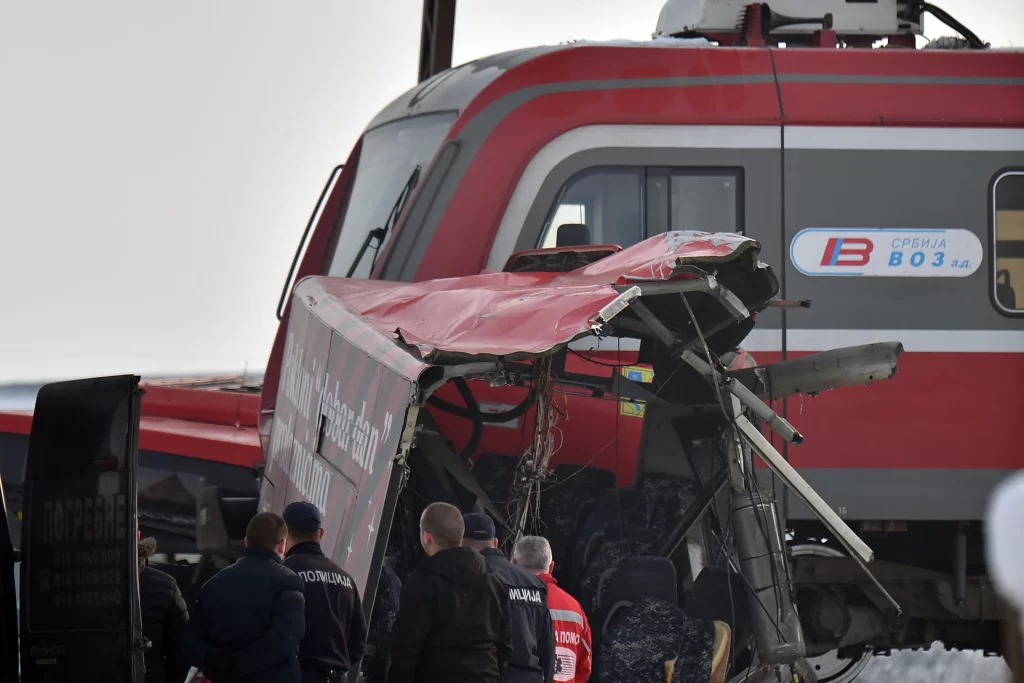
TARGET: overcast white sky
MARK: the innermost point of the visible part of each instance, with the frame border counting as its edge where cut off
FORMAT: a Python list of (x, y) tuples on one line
[(158, 161)]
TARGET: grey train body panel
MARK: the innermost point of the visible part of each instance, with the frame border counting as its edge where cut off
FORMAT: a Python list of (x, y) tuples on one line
[(847, 188)]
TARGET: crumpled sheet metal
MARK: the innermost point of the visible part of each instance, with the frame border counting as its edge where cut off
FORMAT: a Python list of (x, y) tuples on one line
[(514, 315)]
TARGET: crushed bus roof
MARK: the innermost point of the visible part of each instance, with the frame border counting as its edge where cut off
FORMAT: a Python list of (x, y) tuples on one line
[(525, 314)]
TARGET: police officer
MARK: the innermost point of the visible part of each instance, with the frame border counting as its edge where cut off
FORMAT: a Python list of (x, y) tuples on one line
[(533, 635), (335, 625)]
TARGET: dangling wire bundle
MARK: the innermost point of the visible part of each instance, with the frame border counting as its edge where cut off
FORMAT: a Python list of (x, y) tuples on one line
[(524, 498)]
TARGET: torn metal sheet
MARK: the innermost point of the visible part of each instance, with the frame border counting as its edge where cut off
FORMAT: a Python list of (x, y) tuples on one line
[(848, 366), (526, 314)]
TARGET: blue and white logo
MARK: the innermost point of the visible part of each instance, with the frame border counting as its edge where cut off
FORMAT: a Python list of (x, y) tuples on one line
[(886, 252)]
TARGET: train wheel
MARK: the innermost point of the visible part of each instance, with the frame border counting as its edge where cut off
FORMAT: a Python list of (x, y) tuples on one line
[(830, 667)]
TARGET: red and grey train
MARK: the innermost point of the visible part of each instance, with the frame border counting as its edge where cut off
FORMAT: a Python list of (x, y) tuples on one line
[(885, 185)]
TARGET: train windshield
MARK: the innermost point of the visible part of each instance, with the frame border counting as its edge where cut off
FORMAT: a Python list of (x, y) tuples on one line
[(388, 162)]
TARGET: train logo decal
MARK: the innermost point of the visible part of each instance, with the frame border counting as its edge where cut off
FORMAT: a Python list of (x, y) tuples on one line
[(847, 251), (885, 252)]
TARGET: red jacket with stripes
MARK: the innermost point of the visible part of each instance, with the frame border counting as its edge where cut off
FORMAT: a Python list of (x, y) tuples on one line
[(572, 634)]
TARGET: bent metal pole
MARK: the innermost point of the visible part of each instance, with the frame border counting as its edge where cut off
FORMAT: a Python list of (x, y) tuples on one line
[(858, 549)]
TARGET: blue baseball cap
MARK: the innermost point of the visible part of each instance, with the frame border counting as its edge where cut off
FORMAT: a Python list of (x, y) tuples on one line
[(302, 516), (479, 527)]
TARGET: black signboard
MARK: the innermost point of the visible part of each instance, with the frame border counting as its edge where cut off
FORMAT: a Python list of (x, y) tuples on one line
[(80, 617), (8, 601)]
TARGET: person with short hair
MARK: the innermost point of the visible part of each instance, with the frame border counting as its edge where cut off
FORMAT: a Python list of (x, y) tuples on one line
[(249, 618), (533, 634), (573, 660), (453, 616), (335, 625)]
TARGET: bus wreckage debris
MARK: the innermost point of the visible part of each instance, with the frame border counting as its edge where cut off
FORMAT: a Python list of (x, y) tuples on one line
[(808, 375), (689, 298), (831, 369), (843, 367)]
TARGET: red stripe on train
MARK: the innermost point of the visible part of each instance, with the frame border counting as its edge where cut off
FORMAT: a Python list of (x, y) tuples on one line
[(942, 410)]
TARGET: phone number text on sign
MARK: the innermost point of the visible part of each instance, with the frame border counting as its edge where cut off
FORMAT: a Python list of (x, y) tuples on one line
[(884, 252)]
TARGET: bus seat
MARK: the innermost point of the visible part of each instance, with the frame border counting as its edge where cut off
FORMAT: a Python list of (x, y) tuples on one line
[(592, 545), (581, 517), (573, 488), (635, 577), (709, 598), (664, 493), (634, 540), (620, 506), (649, 633), (720, 654), (572, 235)]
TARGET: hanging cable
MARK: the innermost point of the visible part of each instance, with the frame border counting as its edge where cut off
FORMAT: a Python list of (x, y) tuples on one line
[(947, 19), (474, 410), (735, 436)]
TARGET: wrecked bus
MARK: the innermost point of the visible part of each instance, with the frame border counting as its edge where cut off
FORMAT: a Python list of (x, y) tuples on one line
[(350, 435)]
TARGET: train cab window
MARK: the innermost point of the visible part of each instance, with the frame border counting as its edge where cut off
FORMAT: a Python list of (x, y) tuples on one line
[(607, 201), (1008, 235), (386, 174), (625, 205)]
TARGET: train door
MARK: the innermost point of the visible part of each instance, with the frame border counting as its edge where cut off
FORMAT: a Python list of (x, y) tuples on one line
[(616, 184), (80, 615), (908, 234)]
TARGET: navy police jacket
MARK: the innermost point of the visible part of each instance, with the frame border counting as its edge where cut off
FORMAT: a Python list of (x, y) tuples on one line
[(335, 625), (533, 634)]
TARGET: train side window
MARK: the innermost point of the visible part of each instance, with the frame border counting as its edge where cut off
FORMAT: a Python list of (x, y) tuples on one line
[(1008, 238), (704, 202), (624, 205)]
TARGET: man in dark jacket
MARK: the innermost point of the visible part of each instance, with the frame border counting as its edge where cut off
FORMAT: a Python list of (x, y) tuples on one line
[(453, 622), (249, 618), (533, 635), (335, 626), (164, 616)]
